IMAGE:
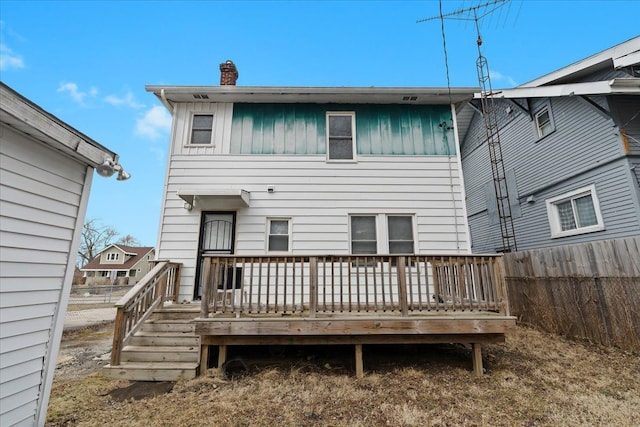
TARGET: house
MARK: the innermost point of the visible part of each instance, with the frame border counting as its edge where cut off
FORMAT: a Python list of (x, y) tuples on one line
[(309, 215), (118, 263), (570, 144), (47, 168)]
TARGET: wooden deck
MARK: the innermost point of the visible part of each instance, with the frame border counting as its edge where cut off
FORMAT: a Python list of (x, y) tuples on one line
[(328, 299)]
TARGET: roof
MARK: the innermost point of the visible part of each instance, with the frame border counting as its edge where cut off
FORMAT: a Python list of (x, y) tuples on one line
[(28, 118), (138, 253), (621, 55), (313, 95)]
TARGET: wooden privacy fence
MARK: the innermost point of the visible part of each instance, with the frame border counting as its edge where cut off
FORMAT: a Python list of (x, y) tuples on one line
[(586, 291), (351, 284), (161, 284)]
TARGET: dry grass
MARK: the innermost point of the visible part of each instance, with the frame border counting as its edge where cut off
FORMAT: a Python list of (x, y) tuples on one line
[(533, 379)]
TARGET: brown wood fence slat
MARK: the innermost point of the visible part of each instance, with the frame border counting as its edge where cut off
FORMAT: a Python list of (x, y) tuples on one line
[(586, 291)]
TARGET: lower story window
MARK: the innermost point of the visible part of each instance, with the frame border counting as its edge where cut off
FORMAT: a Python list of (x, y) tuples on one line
[(278, 234), (121, 274), (574, 213), (363, 234), (400, 234)]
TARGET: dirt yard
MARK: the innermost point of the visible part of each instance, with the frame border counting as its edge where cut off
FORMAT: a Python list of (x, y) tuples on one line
[(533, 380)]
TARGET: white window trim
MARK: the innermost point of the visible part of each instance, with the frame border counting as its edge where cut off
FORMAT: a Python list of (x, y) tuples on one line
[(113, 256), (190, 133), (546, 106), (268, 230), (413, 230), (353, 135), (379, 235), (554, 219)]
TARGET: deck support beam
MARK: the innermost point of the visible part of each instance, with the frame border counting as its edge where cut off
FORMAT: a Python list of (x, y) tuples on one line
[(476, 356), (222, 356), (204, 358), (359, 364)]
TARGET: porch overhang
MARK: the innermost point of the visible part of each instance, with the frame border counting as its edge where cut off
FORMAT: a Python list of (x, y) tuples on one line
[(215, 199)]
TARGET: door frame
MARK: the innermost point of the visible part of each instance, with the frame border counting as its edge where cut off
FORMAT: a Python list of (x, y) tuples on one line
[(196, 284)]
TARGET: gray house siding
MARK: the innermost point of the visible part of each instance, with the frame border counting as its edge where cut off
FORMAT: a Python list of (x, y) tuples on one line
[(585, 148)]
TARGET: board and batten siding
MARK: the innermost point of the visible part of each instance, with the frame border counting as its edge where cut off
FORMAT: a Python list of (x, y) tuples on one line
[(584, 149), (38, 219), (318, 196)]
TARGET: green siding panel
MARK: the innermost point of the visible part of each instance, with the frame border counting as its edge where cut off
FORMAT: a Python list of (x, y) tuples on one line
[(380, 129)]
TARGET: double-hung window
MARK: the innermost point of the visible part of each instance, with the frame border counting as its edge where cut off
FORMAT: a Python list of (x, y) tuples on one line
[(201, 129), (112, 256), (340, 136), (574, 213), (363, 234), (400, 229), (279, 234), (544, 121)]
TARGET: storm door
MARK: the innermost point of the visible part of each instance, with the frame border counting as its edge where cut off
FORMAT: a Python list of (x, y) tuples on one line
[(216, 237)]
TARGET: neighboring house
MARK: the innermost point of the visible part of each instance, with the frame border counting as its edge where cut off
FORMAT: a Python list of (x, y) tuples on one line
[(571, 151), (118, 263), (308, 170), (46, 169)]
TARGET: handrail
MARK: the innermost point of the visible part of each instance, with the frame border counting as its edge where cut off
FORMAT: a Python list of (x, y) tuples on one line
[(316, 285), (161, 284)]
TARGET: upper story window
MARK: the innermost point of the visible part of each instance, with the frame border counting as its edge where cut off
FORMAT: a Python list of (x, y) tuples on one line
[(544, 121), (113, 256), (201, 129), (279, 235), (574, 213), (363, 234), (400, 228), (340, 136)]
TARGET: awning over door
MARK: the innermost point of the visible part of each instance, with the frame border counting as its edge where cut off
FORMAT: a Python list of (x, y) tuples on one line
[(215, 199)]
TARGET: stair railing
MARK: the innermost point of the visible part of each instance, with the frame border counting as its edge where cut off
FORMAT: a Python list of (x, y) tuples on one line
[(161, 284)]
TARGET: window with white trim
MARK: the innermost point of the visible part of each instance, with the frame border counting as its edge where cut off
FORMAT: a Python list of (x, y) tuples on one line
[(201, 129), (113, 256), (544, 121), (574, 213), (278, 234), (363, 234), (400, 234), (341, 140)]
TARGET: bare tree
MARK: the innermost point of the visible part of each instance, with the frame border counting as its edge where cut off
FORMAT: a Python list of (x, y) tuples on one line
[(128, 240), (95, 237)]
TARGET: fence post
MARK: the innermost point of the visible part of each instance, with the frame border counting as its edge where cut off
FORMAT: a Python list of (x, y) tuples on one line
[(402, 285), (313, 286)]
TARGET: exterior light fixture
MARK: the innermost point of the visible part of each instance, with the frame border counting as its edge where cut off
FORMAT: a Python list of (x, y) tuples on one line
[(109, 167)]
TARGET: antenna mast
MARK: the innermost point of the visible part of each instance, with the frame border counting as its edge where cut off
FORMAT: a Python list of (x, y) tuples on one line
[(490, 117)]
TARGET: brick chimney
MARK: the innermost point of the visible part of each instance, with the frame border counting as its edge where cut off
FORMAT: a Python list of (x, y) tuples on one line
[(228, 73)]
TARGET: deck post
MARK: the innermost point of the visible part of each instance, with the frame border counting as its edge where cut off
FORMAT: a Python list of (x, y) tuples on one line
[(359, 364), (402, 285), (207, 292), (501, 286), (476, 356), (204, 359), (118, 336), (313, 286), (222, 356)]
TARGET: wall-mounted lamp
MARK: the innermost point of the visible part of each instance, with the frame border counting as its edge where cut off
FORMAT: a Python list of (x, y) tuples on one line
[(188, 206), (109, 167), (531, 199), (271, 188)]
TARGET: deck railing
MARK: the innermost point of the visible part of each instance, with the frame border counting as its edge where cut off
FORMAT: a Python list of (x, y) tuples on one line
[(351, 284), (161, 284)]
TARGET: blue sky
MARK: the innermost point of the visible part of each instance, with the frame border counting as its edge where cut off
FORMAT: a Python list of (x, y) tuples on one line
[(87, 62)]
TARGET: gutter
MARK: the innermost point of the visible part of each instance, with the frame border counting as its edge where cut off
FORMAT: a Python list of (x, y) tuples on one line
[(165, 101)]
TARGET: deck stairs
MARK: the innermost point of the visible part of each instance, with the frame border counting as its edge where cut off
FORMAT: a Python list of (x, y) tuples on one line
[(165, 348)]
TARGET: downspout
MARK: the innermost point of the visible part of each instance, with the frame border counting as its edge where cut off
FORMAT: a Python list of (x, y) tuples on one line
[(165, 101)]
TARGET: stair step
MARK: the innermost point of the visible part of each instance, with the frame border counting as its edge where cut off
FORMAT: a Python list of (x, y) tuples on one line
[(156, 326), (152, 371), (164, 339), (133, 353)]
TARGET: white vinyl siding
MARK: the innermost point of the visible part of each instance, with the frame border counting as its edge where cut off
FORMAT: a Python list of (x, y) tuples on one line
[(41, 193)]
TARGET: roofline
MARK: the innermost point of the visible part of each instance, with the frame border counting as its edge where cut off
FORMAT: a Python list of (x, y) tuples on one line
[(67, 138), (612, 55), (630, 86), (293, 94)]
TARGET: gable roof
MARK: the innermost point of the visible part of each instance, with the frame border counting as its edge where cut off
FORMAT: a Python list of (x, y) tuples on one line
[(137, 252)]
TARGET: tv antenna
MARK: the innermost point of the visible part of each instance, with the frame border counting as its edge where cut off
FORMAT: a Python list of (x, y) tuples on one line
[(489, 114)]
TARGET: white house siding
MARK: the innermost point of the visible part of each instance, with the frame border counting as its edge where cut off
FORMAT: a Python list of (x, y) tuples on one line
[(318, 197), (38, 217)]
